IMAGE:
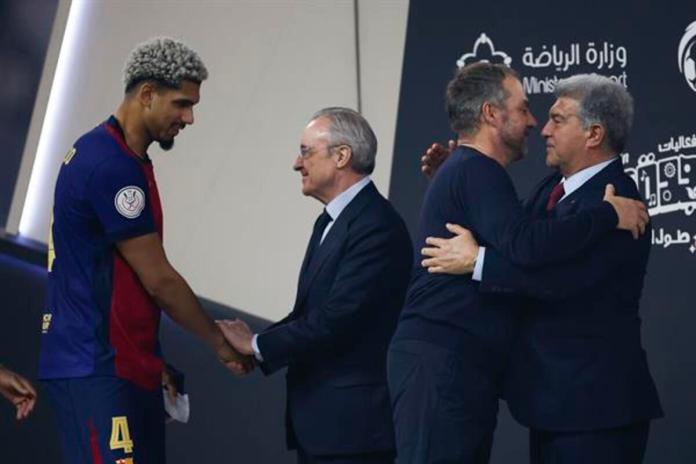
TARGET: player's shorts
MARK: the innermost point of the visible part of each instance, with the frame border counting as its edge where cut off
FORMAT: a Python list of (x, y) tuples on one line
[(107, 420)]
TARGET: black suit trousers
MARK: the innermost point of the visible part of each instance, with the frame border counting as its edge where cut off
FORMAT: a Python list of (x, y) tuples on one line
[(621, 445)]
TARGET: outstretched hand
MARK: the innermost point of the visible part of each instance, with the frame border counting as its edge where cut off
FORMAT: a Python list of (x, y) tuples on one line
[(456, 255), (238, 334)]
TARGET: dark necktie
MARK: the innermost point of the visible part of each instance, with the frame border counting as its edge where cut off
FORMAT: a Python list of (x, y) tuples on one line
[(322, 221), (556, 194)]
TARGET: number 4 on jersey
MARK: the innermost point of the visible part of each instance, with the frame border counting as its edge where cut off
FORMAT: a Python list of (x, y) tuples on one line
[(120, 435)]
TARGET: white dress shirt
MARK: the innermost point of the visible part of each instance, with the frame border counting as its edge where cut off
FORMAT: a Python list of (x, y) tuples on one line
[(336, 206)]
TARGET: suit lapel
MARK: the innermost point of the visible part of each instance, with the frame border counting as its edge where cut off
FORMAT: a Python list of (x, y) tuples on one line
[(590, 189), (333, 240), (328, 247)]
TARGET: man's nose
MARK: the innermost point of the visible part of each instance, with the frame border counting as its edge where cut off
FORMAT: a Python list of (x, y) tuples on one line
[(187, 117), (532, 121)]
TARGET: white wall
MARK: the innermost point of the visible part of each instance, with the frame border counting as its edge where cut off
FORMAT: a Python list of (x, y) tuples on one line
[(236, 224)]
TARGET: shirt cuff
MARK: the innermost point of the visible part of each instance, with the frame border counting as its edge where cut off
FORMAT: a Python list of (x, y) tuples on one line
[(255, 347), (478, 267)]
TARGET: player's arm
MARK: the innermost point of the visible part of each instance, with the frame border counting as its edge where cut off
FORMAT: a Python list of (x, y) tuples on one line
[(119, 194), (146, 256)]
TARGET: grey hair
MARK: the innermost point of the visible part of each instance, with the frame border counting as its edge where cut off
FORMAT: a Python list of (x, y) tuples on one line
[(471, 87), (347, 126), (603, 101), (164, 60)]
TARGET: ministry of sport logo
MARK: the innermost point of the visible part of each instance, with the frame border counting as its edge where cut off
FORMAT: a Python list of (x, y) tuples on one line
[(484, 51), (687, 55)]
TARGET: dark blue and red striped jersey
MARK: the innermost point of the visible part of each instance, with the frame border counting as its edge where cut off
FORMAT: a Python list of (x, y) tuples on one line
[(99, 320)]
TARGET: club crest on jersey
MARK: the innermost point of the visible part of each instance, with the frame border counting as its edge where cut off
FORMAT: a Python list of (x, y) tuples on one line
[(130, 201)]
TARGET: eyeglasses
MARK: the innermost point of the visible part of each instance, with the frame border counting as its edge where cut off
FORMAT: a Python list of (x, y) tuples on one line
[(306, 152)]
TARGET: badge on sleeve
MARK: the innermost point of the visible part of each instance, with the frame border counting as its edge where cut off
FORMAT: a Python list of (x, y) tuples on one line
[(130, 201)]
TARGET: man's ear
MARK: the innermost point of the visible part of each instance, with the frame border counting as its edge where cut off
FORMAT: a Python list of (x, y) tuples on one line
[(596, 135), (490, 113), (146, 94), (344, 155)]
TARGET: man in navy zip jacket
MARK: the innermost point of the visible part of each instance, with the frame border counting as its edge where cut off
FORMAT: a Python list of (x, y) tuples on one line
[(449, 352), (578, 376)]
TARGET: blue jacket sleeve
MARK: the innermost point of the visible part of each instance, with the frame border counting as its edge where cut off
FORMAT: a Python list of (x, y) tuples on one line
[(499, 220), (570, 278)]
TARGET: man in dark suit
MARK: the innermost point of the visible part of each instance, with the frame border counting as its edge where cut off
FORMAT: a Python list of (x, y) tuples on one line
[(350, 292), (450, 349), (578, 376)]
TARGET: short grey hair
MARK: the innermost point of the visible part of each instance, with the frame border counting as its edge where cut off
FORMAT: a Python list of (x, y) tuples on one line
[(603, 101), (165, 60), (471, 87), (348, 127)]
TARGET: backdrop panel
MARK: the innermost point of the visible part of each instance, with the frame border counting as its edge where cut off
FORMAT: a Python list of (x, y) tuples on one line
[(647, 47)]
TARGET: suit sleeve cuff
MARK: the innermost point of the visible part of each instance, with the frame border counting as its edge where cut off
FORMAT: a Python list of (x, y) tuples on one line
[(478, 267), (255, 348)]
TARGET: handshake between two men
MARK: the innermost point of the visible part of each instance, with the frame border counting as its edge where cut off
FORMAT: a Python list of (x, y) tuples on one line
[(239, 335)]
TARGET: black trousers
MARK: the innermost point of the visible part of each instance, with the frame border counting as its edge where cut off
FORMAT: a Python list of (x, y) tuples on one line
[(621, 445), (444, 405)]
